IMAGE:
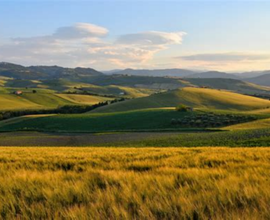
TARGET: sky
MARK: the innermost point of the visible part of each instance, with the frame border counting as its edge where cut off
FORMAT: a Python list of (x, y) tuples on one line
[(221, 35)]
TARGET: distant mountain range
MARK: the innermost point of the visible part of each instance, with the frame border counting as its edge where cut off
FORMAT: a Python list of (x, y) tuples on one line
[(44, 72), (185, 73), (157, 72), (252, 74), (263, 80), (129, 77), (213, 74)]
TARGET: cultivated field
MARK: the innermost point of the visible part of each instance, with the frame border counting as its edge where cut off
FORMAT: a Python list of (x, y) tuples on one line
[(134, 183)]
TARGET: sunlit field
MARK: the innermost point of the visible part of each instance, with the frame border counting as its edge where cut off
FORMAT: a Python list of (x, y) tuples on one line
[(134, 183)]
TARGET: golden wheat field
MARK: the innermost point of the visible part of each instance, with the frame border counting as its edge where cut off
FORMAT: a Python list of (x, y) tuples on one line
[(134, 183)]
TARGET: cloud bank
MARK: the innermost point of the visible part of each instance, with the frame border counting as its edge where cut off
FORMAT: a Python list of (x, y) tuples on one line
[(227, 61), (226, 57), (90, 45), (84, 44)]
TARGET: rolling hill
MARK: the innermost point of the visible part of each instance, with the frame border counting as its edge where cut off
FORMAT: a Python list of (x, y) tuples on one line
[(123, 121), (133, 84), (258, 124), (44, 100), (193, 97), (114, 90), (234, 85), (260, 80)]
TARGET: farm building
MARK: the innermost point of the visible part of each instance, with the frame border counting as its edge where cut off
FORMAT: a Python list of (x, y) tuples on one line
[(18, 92)]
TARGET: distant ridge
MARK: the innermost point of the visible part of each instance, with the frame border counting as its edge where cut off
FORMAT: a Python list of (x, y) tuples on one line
[(155, 72), (43, 72), (263, 80), (213, 74), (160, 79)]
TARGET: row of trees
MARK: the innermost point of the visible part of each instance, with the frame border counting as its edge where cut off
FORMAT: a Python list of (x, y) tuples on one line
[(85, 92), (211, 120)]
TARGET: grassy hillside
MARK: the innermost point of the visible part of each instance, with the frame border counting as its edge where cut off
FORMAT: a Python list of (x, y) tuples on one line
[(194, 97), (117, 90), (64, 85), (42, 100), (13, 102), (46, 100), (3, 80), (259, 124), (150, 119), (231, 85), (261, 80), (83, 99)]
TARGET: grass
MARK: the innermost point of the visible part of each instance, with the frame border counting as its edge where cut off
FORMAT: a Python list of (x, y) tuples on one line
[(230, 84), (259, 124), (241, 138), (130, 183), (186, 138), (31, 101), (83, 99), (22, 119), (150, 119), (74, 139), (13, 102), (116, 90), (193, 97), (44, 100)]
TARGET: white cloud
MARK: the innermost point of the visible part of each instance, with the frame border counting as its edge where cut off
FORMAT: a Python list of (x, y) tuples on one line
[(85, 44), (226, 61), (79, 31), (152, 38), (226, 57)]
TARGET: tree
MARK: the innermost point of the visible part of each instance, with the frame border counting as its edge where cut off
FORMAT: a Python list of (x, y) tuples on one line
[(181, 108)]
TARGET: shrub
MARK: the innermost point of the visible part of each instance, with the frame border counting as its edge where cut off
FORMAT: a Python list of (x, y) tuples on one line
[(182, 108)]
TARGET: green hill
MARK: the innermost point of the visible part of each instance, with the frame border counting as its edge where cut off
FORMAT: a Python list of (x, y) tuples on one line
[(117, 91), (193, 97), (13, 102), (258, 124), (231, 85), (141, 120), (45, 100)]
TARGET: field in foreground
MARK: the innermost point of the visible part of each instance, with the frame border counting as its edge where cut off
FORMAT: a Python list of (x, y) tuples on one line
[(134, 183)]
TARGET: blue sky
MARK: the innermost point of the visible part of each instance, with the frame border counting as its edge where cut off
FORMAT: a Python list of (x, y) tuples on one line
[(222, 35)]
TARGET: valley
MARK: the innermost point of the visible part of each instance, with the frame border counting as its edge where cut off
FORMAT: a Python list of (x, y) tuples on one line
[(133, 106)]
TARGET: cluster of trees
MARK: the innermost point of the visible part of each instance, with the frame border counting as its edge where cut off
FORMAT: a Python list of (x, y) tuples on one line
[(85, 92), (183, 108), (211, 120), (262, 96), (66, 109)]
